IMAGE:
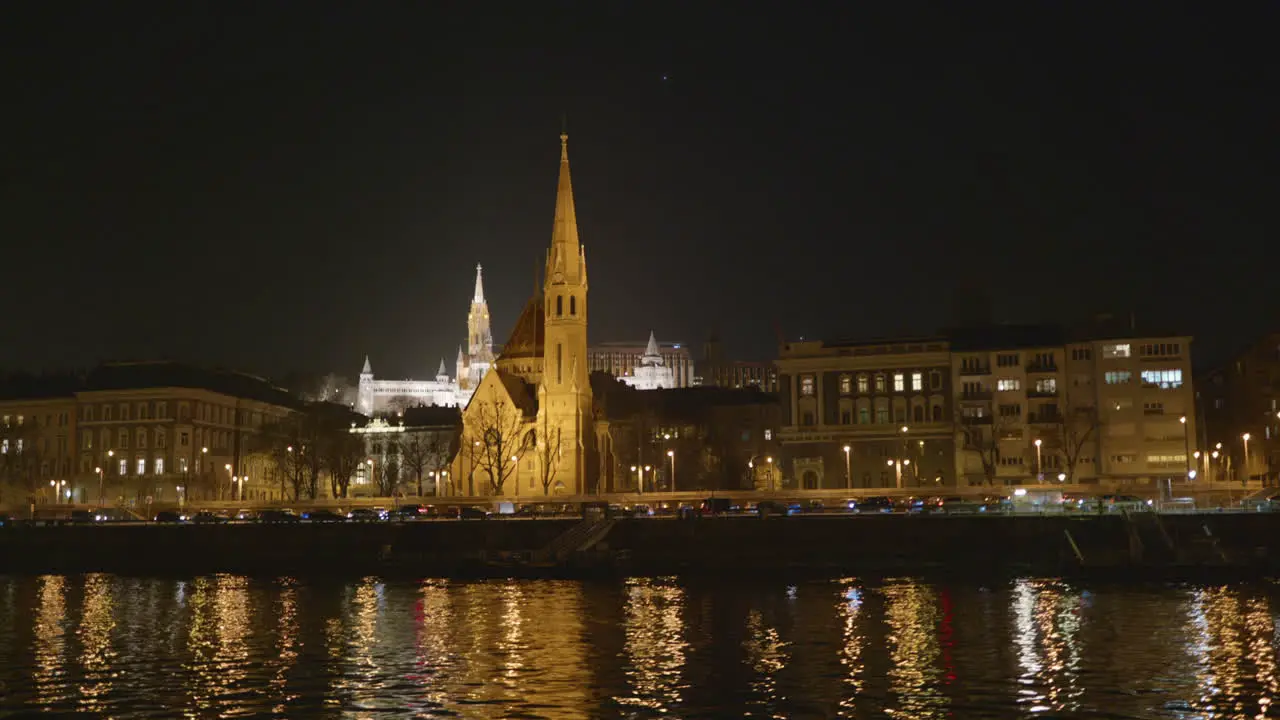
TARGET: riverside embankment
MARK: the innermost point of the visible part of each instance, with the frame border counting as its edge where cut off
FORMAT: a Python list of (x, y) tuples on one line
[(1103, 545)]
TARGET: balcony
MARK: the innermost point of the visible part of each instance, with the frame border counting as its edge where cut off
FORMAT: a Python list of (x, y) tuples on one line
[(1042, 367), (1044, 418), (1034, 393), (975, 370), (975, 395)]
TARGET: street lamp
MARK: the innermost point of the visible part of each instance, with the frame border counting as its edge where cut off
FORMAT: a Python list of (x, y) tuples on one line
[(848, 476), (99, 471), (897, 466), (769, 459), (671, 455), (1186, 447), (1246, 459), (233, 478), (1039, 467), (1062, 477)]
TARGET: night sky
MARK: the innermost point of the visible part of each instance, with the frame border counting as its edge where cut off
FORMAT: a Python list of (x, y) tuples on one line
[(289, 186)]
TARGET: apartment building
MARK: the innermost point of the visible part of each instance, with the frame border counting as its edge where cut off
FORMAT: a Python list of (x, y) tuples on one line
[(997, 406), (1241, 399), (875, 414), (37, 441)]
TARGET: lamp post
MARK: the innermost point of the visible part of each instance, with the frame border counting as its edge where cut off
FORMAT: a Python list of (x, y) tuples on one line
[(1039, 467), (1186, 448), (897, 466), (848, 476), (233, 479), (57, 490), (443, 479), (769, 460), (111, 454), (1245, 481), (99, 471), (671, 455)]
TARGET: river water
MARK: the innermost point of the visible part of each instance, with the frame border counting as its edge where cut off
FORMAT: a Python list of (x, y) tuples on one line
[(229, 645)]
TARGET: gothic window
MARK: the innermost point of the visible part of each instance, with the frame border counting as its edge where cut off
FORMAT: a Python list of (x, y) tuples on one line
[(573, 305), (559, 358), (559, 305)]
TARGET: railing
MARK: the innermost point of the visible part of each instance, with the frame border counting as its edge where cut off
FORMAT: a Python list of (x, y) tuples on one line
[(1042, 367), (1033, 393), (975, 395), (976, 370)]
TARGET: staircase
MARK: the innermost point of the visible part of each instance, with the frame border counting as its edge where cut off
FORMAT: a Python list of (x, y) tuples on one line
[(579, 538)]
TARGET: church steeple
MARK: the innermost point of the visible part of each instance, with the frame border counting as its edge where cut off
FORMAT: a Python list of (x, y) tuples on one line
[(565, 258), (479, 296)]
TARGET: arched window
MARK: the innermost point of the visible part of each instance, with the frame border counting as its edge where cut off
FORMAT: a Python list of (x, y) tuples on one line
[(559, 305), (937, 413), (917, 413), (573, 305)]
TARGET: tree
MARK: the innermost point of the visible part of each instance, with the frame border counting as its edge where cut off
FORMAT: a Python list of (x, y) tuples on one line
[(341, 452), (548, 457), (981, 435), (1076, 424), (497, 426), (386, 474), (415, 455), (291, 443)]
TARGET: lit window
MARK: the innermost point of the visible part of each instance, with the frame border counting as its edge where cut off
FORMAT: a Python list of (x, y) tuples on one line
[(1118, 377), (1166, 379), (879, 383), (1008, 384), (917, 381), (846, 384), (159, 466), (806, 385), (862, 383), (899, 382), (1047, 385), (18, 447), (768, 434), (4, 446), (142, 466), (123, 468), (1116, 350), (182, 465)]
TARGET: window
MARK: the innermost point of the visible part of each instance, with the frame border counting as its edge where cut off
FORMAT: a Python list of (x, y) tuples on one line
[(106, 412), (162, 410), (124, 411), (806, 384), (917, 413), (1010, 410), (160, 439), (559, 305), (864, 416), (4, 446), (123, 468), (142, 466), (142, 438), (1160, 349), (573, 304), (935, 380), (917, 381), (899, 382), (559, 361), (862, 383), (1118, 377), (1153, 408), (1047, 385), (88, 413), (880, 382), (18, 445), (1081, 353), (1178, 459), (807, 419), (184, 438), (1008, 384), (159, 466), (182, 465), (937, 413), (122, 438), (1116, 350), (86, 441), (882, 416), (1007, 360), (768, 434), (846, 384), (142, 411), (846, 417), (1167, 379)]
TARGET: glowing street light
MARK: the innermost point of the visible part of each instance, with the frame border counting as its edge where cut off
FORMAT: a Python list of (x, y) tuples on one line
[(1039, 466), (848, 476), (671, 455)]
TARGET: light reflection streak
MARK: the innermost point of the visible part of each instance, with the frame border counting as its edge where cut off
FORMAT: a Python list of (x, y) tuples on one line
[(767, 655), (97, 654), (434, 624), (848, 611), (510, 643), (912, 616), (1234, 632), (50, 639), (286, 643), (655, 646), (1046, 625), (366, 680)]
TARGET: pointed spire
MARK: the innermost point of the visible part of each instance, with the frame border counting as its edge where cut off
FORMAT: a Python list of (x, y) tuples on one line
[(368, 369), (479, 296), (564, 255), (442, 371), (651, 350), (459, 354)]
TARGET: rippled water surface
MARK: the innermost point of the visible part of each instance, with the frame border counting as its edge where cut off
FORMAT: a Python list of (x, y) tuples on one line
[(229, 645)]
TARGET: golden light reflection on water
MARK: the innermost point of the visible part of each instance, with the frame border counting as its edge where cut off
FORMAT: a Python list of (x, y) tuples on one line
[(912, 615), (217, 641), (286, 610), (655, 644), (50, 639), (1046, 617), (848, 614), (433, 640), (97, 654), (1235, 640), (767, 654), (364, 678)]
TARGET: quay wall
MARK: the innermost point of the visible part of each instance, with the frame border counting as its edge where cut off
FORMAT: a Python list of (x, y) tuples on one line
[(734, 545)]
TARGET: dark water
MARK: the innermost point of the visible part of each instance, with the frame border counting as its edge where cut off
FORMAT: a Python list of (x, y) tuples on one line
[(228, 645)]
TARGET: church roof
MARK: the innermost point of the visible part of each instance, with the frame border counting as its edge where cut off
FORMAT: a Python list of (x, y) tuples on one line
[(527, 336), (524, 395)]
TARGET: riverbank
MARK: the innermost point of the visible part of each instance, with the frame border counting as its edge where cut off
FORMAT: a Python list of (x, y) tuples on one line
[(1244, 545)]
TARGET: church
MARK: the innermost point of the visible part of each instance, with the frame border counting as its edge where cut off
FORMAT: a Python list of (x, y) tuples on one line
[(381, 396), (528, 429)]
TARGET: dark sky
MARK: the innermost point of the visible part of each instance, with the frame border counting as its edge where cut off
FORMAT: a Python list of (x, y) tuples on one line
[(279, 186)]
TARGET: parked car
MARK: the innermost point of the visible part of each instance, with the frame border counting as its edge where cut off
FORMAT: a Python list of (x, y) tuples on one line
[(246, 515), (772, 508), (413, 512), (206, 517), (6, 521), (875, 504), (955, 504), (83, 517), (320, 515), (169, 516), (473, 513), (717, 506), (367, 514), (282, 515)]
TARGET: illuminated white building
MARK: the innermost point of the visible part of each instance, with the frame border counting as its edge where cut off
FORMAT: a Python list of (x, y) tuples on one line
[(374, 395), (652, 373)]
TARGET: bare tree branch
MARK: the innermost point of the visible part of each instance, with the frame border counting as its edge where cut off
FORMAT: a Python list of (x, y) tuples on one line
[(497, 425)]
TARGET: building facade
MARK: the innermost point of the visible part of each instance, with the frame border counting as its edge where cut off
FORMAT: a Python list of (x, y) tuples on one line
[(375, 395), (1242, 398), (670, 363), (408, 454), (867, 414), (992, 407)]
